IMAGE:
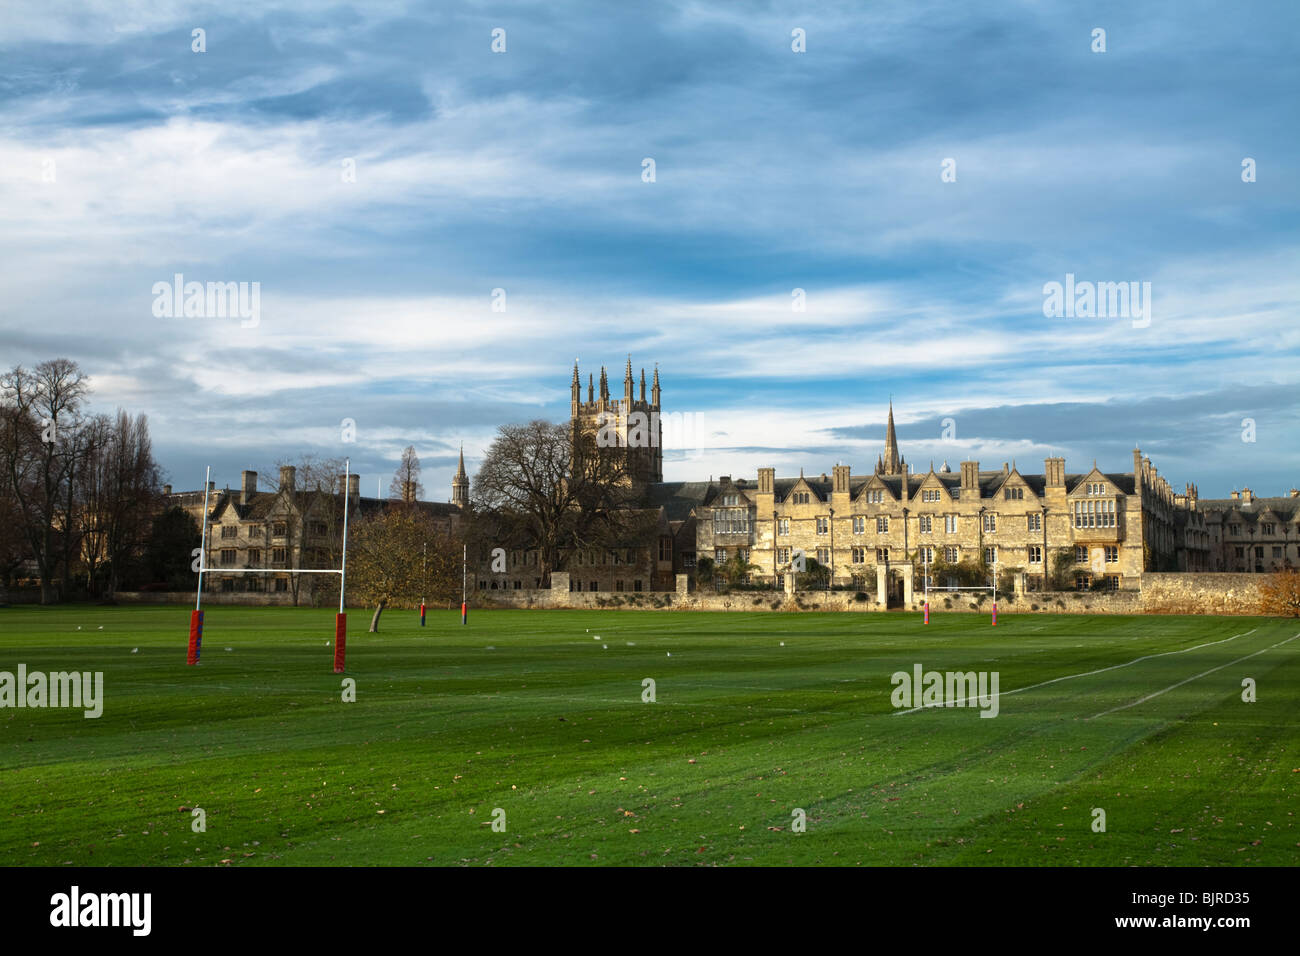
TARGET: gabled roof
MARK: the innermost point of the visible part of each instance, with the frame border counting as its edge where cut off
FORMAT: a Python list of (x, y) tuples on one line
[(680, 498)]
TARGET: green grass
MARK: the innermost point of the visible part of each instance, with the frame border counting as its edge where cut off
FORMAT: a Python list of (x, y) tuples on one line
[(525, 711)]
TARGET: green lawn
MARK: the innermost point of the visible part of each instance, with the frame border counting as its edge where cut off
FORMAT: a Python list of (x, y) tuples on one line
[(528, 712)]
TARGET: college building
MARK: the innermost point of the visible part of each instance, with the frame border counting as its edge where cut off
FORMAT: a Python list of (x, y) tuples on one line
[(1086, 528)]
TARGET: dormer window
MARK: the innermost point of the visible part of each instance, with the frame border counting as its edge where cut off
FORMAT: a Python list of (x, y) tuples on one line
[(1013, 494)]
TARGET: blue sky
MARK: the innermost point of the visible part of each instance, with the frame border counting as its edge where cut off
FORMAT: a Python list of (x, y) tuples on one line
[(125, 157)]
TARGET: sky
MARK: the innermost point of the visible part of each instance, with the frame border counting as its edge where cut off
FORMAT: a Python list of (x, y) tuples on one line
[(436, 229)]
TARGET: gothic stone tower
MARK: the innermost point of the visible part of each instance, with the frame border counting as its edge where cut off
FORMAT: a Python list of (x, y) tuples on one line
[(629, 426)]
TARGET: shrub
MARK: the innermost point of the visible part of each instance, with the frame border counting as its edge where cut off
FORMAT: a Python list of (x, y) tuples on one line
[(861, 596), (1280, 594)]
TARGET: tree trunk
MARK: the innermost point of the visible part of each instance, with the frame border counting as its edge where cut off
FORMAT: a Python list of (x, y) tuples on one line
[(374, 621)]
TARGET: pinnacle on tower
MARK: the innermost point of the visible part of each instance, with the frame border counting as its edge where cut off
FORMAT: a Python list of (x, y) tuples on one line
[(643, 386)]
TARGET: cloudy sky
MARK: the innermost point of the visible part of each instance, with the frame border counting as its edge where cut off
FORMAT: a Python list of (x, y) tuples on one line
[(378, 169)]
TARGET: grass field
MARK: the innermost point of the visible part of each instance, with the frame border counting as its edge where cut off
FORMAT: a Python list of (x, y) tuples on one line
[(529, 712)]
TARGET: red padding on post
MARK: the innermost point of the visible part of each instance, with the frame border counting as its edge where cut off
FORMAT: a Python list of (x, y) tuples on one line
[(340, 641), (196, 637)]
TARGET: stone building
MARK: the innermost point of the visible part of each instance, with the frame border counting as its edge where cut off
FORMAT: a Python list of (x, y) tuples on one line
[(1113, 526), (1250, 533), (276, 532)]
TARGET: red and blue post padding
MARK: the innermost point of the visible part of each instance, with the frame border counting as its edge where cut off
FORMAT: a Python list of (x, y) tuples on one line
[(340, 641), (196, 637), (421, 614), (464, 612), (995, 613), (927, 612)]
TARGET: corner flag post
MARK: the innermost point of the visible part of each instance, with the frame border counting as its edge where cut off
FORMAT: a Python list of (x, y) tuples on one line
[(341, 620), (196, 616), (424, 575), (464, 558)]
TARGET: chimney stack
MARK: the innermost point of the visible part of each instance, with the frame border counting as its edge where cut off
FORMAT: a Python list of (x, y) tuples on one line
[(841, 474), (354, 485), (167, 490), (970, 478), (287, 474), (1054, 468), (247, 486)]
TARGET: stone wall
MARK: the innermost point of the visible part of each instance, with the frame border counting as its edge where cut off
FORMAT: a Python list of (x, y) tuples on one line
[(1166, 593), (248, 598), (1202, 593)]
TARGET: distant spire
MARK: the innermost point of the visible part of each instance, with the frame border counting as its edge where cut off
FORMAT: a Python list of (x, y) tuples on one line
[(892, 463), (591, 389), (628, 377), (460, 483), (642, 384)]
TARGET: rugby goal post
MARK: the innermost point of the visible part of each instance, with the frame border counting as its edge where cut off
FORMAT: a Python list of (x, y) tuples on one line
[(990, 589), (340, 619)]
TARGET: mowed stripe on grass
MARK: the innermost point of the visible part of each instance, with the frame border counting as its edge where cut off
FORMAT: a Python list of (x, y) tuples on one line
[(525, 711)]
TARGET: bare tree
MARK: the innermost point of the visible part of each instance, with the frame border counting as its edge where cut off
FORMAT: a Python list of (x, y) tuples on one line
[(547, 487), (405, 486), (40, 449), (118, 495)]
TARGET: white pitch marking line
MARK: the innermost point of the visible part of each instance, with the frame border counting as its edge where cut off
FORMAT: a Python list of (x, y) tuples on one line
[(1100, 670), (1143, 700)]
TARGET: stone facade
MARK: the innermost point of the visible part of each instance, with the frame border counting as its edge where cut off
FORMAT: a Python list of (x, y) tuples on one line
[(1113, 526), (1248, 533)]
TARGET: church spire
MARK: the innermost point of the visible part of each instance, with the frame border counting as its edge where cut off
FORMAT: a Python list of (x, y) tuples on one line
[(460, 483), (892, 463)]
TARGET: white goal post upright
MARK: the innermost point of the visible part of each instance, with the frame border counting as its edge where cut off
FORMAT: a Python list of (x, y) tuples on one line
[(340, 620)]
